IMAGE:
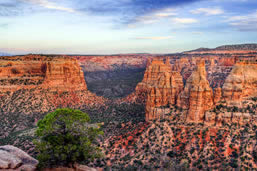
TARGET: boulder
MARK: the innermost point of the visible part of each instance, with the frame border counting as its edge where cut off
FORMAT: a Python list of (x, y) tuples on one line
[(12, 158)]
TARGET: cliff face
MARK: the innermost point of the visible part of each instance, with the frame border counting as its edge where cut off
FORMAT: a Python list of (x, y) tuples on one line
[(34, 71), (64, 75), (197, 96), (38, 84), (201, 102), (162, 86), (241, 82), (154, 70)]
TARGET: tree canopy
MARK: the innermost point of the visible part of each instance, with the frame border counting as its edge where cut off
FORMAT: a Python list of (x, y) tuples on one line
[(65, 137)]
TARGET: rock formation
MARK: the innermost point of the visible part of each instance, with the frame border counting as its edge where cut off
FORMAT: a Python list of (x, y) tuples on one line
[(241, 82), (217, 95), (162, 85), (64, 75), (197, 96), (31, 71), (41, 84), (12, 158)]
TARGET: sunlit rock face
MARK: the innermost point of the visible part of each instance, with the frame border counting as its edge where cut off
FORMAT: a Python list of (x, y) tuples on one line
[(31, 71), (64, 75), (162, 86), (241, 82), (38, 84), (197, 96)]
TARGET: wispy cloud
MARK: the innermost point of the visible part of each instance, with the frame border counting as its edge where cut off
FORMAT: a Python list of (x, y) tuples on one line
[(184, 20), (130, 12), (51, 5), (208, 11), (153, 17), (154, 38), (244, 22), (197, 33)]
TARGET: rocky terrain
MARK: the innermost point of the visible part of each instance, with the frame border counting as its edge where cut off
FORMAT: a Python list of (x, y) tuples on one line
[(173, 144), (33, 85), (190, 110)]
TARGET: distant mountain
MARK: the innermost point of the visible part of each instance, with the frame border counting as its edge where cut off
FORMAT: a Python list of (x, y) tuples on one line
[(252, 46)]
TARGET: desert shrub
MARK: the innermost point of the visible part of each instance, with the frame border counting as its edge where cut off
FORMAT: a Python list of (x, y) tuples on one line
[(66, 137)]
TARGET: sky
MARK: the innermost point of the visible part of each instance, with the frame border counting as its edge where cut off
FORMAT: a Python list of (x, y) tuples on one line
[(124, 26)]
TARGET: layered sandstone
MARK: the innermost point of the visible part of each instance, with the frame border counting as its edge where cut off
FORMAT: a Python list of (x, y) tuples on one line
[(162, 85), (34, 71), (64, 75), (197, 96), (241, 82), (39, 84), (217, 95)]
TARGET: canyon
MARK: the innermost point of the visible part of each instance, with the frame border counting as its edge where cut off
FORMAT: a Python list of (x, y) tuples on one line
[(35, 83), (197, 97), (194, 109)]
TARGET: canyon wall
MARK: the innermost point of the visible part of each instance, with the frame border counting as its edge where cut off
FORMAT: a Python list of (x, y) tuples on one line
[(164, 89), (38, 84), (162, 85), (241, 82), (197, 96), (31, 71)]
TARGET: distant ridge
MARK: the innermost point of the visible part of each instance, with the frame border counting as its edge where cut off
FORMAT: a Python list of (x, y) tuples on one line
[(250, 46)]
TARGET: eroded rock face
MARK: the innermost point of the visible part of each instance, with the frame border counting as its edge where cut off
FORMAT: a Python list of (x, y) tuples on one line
[(241, 82), (162, 85), (197, 96), (31, 71), (41, 84), (12, 158), (217, 95), (64, 75)]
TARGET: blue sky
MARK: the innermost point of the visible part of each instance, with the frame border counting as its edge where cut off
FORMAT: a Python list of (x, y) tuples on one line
[(124, 26)]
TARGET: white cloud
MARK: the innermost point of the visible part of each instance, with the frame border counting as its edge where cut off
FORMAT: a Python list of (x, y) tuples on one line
[(184, 20), (51, 5), (154, 17), (208, 11), (244, 22), (154, 38)]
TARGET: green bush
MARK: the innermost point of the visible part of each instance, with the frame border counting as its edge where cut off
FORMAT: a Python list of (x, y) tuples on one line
[(66, 137)]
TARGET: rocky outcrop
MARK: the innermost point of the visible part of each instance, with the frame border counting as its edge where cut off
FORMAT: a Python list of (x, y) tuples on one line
[(162, 85), (38, 84), (197, 96), (32, 71), (12, 158), (64, 75), (241, 82)]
